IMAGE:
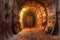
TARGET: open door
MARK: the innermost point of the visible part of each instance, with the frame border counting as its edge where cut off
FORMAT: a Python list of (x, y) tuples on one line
[(29, 19)]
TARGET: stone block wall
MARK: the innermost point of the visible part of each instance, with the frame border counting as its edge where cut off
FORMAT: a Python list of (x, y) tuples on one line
[(5, 19)]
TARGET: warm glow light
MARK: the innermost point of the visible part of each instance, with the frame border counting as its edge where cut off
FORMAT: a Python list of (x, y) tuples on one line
[(21, 15), (37, 9), (23, 11), (44, 15)]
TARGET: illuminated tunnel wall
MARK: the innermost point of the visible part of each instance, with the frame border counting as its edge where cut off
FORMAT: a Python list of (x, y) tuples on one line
[(38, 10)]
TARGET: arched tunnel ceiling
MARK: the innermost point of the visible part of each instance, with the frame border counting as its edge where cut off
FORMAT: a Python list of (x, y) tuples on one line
[(49, 5), (45, 2)]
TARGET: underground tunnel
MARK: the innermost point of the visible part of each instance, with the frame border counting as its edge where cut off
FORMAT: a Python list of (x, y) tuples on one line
[(18, 15), (44, 20)]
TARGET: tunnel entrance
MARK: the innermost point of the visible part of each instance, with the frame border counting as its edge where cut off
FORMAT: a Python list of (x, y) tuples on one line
[(43, 18), (33, 14)]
